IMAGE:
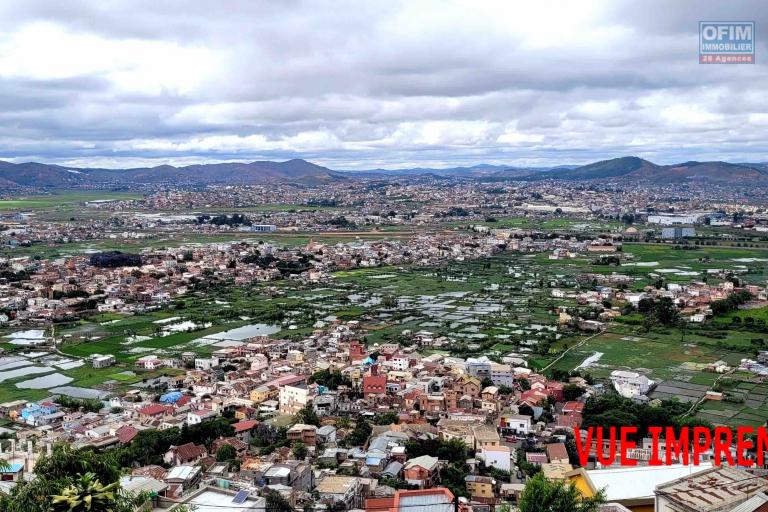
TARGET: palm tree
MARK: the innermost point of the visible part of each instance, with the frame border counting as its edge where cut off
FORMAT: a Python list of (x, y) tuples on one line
[(4, 465), (87, 494)]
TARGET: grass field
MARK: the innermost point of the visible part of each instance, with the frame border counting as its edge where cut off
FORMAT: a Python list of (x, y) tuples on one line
[(62, 199), (163, 239), (756, 314)]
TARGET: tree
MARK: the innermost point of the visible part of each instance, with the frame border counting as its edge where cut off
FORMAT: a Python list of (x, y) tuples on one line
[(299, 450), (359, 434), (87, 494), (74, 475), (389, 301), (452, 477), (226, 453), (276, 502), (666, 312), (454, 450), (542, 495), (307, 416), (331, 379), (572, 392), (387, 418)]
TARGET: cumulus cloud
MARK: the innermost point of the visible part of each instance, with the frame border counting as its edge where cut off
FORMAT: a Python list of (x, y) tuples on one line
[(374, 84)]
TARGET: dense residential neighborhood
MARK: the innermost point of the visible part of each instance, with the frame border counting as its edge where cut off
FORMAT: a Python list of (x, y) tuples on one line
[(383, 256)]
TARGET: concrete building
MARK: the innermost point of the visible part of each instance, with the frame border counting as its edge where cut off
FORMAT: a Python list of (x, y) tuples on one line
[(499, 457), (502, 374), (717, 489), (101, 361), (630, 384), (670, 220), (293, 398), (678, 232), (515, 424), (337, 490), (479, 367)]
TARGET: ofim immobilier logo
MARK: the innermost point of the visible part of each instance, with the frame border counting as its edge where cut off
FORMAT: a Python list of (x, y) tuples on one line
[(726, 42)]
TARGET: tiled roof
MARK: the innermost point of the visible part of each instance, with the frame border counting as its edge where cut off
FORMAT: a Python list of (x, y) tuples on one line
[(152, 410), (242, 426), (126, 433), (189, 451)]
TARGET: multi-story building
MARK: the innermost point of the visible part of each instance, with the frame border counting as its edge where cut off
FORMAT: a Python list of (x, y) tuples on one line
[(293, 398)]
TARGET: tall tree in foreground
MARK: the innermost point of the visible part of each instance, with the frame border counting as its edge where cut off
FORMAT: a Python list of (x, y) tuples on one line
[(81, 478), (542, 495), (87, 494)]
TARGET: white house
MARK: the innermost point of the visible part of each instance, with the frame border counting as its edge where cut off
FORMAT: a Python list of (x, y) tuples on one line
[(519, 424), (293, 398), (195, 417), (498, 457), (630, 384), (203, 363), (101, 361)]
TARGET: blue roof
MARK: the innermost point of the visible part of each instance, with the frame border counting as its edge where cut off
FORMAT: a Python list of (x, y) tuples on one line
[(14, 468), (171, 397)]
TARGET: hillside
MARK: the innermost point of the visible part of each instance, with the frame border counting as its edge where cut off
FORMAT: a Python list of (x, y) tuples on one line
[(613, 168), (46, 176), (50, 177), (639, 170)]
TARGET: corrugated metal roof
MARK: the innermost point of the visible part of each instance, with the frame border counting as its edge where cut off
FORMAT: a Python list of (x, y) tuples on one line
[(427, 503)]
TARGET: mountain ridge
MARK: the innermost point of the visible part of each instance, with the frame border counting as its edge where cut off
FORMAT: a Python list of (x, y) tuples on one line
[(299, 171)]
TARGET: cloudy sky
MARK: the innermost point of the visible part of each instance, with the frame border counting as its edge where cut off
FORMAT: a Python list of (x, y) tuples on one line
[(365, 84)]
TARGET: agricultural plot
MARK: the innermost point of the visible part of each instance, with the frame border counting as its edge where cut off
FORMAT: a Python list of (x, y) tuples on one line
[(490, 307), (678, 265), (33, 374), (747, 405), (658, 357)]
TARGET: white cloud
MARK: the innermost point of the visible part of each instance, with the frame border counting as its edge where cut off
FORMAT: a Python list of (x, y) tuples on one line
[(377, 83)]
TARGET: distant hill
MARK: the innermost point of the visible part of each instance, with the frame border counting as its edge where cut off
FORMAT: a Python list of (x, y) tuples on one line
[(45, 176), (607, 169), (475, 171), (637, 169), (38, 175)]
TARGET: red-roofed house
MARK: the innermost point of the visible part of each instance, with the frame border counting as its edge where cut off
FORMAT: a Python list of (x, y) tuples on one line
[(536, 458), (374, 385), (418, 499), (571, 407), (244, 429), (240, 447), (188, 453), (533, 397), (126, 433), (555, 390), (557, 453), (569, 421), (153, 411)]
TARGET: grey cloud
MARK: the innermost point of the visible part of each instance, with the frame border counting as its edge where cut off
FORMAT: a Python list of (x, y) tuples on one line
[(346, 84)]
